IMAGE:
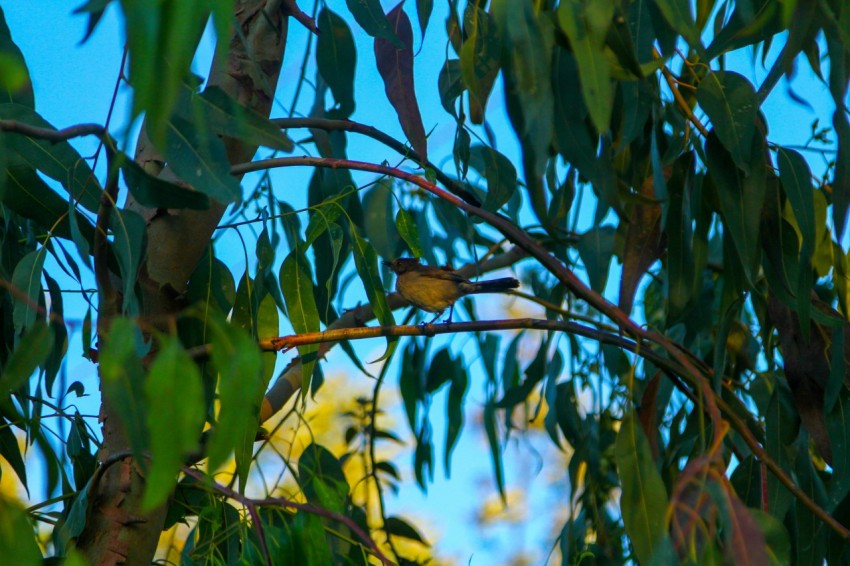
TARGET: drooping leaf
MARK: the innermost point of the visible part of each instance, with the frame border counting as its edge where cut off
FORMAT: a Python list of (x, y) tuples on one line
[(500, 173), (129, 246), (480, 57), (296, 283), (644, 499), (678, 15), (596, 247), (226, 116), (30, 352), (59, 160), (454, 411), (241, 387), (122, 379), (155, 192), (495, 447), (399, 527), (450, 84), (175, 417), (17, 536), (395, 65), (199, 158), (370, 16), (26, 280), (423, 12), (10, 451), (576, 20), (15, 83), (336, 57), (732, 105), (739, 194), (321, 478), (409, 232), (366, 263), (745, 542)]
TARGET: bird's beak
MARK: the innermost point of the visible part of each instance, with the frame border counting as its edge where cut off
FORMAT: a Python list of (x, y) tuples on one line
[(387, 263)]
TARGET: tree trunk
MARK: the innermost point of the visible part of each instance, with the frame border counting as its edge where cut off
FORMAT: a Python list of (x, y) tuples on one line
[(117, 532)]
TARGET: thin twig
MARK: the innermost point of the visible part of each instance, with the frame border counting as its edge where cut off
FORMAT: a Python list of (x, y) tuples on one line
[(287, 503)]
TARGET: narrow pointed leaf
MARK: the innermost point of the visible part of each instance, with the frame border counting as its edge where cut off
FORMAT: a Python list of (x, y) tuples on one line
[(731, 103), (296, 282), (336, 57)]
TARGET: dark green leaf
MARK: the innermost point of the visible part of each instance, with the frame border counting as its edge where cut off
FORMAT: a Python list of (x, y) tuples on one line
[(423, 12), (26, 280), (838, 428), (495, 447), (596, 247), (225, 115), (777, 541), (154, 192), (11, 452), (175, 417), (370, 16), (336, 57), (409, 232), (644, 499), (732, 105), (321, 478), (122, 379), (678, 15), (454, 411), (366, 262), (17, 536), (57, 160), (199, 158), (574, 17), (30, 352), (129, 246), (401, 528), (450, 84), (500, 173), (480, 58)]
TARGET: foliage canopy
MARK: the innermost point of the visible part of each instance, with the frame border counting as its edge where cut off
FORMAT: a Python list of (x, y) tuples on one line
[(691, 352)]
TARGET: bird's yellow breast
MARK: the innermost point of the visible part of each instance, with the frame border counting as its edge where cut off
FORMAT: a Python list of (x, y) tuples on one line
[(428, 293)]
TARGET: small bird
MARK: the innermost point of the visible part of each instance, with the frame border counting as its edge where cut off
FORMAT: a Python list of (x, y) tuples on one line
[(434, 289)]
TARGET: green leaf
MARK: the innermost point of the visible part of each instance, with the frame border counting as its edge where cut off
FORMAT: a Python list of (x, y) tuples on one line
[(11, 452), (450, 84), (777, 541), (407, 229), (15, 83), (399, 527), (26, 280), (175, 417), (678, 15), (480, 59), (296, 282), (122, 379), (795, 176), (129, 246), (17, 536), (745, 543), (739, 195), (162, 39), (240, 388), (58, 160), (370, 16), (378, 220), (838, 428), (588, 48), (336, 58), (30, 352), (495, 447), (423, 12), (321, 478), (731, 103), (366, 263), (643, 502), (595, 248), (28, 195), (500, 173), (154, 192), (199, 159), (226, 116), (454, 410)]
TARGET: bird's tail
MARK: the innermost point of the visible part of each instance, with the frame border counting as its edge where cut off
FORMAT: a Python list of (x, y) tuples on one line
[(491, 286)]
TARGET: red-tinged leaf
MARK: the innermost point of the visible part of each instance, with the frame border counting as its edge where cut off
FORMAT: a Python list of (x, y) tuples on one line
[(744, 539), (643, 243), (396, 68), (644, 498), (694, 515), (647, 413)]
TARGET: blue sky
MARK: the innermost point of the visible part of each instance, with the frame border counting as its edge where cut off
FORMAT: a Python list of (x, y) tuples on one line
[(74, 82)]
